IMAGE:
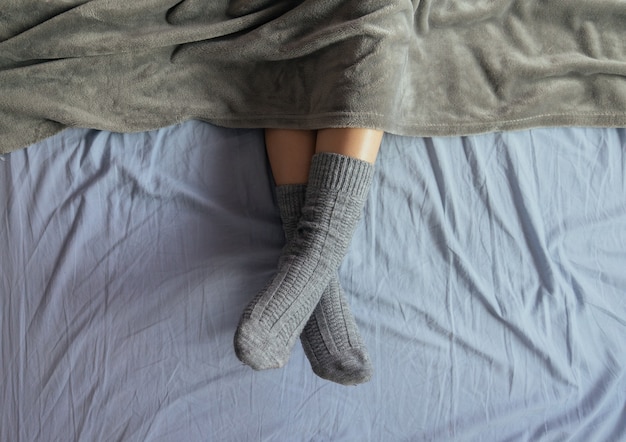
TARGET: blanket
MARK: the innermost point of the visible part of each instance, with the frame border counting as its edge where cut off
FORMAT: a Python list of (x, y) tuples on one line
[(430, 67)]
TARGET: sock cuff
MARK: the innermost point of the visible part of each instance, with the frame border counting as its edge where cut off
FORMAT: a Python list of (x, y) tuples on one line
[(340, 172)]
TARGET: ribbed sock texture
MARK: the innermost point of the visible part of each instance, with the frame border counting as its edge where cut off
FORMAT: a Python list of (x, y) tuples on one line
[(336, 192), (331, 339)]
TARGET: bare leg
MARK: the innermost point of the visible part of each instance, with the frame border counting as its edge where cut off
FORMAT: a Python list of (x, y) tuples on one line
[(353, 142), (290, 153), (290, 150)]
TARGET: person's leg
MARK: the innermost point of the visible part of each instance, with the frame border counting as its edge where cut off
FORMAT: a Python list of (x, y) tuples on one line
[(290, 153), (330, 339), (339, 180), (356, 143)]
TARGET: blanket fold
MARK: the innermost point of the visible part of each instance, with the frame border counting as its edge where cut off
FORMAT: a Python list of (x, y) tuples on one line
[(430, 67)]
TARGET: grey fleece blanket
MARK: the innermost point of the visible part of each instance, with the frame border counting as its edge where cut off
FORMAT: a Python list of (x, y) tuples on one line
[(430, 67)]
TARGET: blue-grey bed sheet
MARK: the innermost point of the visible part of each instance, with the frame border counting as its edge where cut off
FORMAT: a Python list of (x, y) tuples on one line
[(487, 276)]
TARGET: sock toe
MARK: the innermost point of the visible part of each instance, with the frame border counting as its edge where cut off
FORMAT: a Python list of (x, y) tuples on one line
[(350, 367), (254, 347)]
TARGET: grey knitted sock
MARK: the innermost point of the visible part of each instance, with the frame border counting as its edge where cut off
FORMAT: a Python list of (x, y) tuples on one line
[(337, 190), (331, 339)]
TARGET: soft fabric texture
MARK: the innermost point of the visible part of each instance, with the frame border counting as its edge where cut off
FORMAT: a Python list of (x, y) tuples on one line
[(331, 339), (429, 67), (336, 193)]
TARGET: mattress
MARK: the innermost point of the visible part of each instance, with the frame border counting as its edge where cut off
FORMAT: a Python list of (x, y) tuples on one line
[(486, 276)]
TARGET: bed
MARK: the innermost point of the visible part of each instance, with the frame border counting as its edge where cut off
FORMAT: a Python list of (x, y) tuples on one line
[(487, 273), (486, 276)]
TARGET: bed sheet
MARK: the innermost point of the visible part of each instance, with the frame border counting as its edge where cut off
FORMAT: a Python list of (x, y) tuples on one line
[(486, 276)]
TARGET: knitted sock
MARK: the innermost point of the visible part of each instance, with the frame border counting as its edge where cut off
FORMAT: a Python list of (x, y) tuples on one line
[(331, 339), (337, 190)]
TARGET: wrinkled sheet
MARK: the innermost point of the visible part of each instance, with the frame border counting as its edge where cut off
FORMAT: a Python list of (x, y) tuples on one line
[(487, 277), (420, 67)]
